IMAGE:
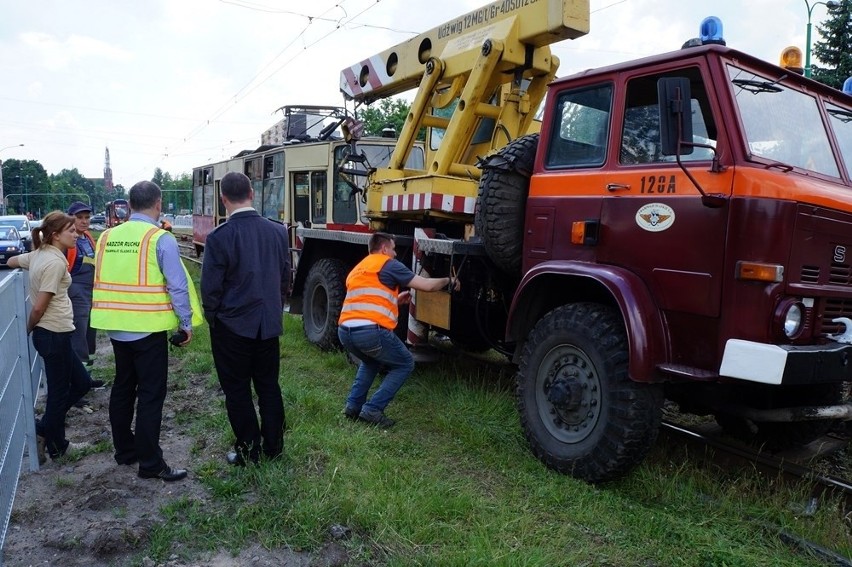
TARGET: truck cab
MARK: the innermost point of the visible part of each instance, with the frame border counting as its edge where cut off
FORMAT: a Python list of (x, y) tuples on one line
[(723, 254)]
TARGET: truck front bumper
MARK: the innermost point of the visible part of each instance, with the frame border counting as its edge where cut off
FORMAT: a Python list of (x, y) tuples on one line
[(786, 364)]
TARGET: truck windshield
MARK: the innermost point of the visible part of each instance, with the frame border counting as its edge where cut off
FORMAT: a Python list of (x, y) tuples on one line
[(841, 123), (781, 124)]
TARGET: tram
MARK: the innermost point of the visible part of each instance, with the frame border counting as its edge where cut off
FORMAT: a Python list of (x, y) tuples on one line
[(313, 183), (117, 212)]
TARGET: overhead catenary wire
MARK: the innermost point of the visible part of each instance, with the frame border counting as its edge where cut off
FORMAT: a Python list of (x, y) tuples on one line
[(254, 83)]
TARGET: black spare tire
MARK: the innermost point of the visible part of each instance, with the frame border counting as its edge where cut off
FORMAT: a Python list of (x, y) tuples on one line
[(500, 204)]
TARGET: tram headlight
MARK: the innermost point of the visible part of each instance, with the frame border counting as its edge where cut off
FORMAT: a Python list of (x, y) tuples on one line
[(793, 318)]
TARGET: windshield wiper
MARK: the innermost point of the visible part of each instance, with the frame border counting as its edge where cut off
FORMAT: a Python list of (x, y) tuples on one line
[(842, 115), (786, 168), (755, 87)]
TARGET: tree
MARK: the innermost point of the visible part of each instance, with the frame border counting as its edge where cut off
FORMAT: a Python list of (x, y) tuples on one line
[(177, 192), (26, 187), (387, 113), (69, 185), (835, 51)]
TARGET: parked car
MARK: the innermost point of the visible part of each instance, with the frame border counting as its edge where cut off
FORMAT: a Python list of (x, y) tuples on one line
[(22, 224), (10, 243), (99, 218)]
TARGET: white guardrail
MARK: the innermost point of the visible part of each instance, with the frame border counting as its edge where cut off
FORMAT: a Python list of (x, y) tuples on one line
[(21, 373)]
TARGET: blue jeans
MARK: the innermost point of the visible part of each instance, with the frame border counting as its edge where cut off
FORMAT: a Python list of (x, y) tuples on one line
[(377, 348), (67, 382)]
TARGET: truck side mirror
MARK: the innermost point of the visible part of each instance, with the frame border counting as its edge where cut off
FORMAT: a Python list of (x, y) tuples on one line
[(675, 102)]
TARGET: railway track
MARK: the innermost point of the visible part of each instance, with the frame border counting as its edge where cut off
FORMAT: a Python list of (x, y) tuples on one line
[(187, 248), (790, 467), (187, 252)]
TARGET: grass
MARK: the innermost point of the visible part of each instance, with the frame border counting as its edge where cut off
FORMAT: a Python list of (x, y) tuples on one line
[(455, 484)]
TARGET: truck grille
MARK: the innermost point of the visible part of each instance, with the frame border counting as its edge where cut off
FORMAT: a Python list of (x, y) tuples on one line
[(810, 274), (832, 309), (840, 274)]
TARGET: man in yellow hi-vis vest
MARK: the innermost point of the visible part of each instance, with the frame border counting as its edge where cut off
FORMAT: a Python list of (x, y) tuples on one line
[(142, 292)]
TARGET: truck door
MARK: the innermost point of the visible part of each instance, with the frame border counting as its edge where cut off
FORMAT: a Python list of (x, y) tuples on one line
[(653, 219)]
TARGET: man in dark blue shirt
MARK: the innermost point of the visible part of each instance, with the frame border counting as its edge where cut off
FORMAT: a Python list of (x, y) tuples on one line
[(81, 266), (245, 278)]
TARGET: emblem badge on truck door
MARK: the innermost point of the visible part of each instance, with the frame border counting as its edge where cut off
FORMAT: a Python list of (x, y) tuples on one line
[(655, 217)]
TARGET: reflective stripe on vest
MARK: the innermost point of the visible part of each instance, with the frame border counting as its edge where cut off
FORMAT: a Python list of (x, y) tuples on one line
[(367, 297), (130, 291)]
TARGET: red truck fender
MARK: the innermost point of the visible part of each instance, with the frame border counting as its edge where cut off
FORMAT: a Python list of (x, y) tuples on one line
[(550, 284)]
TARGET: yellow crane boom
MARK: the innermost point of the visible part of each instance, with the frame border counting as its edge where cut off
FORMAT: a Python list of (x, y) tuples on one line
[(480, 79), (400, 68)]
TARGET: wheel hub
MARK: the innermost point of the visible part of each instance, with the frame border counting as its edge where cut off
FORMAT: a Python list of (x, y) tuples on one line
[(565, 393), (570, 395)]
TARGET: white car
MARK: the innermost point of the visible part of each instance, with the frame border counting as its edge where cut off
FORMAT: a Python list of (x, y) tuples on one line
[(22, 223)]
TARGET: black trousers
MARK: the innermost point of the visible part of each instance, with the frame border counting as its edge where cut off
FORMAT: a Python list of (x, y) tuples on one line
[(141, 374), (241, 363), (67, 382)]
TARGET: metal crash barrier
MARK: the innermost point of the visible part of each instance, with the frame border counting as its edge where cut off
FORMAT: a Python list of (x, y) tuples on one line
[(21, 372)]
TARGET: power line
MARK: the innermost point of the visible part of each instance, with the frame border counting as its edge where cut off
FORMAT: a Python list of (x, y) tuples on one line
[(248, 88)]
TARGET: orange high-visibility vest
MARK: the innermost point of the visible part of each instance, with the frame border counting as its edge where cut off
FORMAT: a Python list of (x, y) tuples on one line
[(71, 253), (367, 297)]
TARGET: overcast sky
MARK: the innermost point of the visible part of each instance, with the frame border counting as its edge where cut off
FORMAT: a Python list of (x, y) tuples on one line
[(179, 83)]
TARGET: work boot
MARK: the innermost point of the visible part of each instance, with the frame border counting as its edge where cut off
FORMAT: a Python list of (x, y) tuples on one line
[(351, 413), (377, 418)]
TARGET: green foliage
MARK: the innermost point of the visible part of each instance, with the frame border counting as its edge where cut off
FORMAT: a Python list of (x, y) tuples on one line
[(70, 185), (387, 112), (26, 186), (835, 50), (177, 192)]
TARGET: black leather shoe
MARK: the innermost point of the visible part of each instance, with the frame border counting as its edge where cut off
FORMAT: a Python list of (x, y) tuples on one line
[(235, 459), (96, 384), (168, 474)]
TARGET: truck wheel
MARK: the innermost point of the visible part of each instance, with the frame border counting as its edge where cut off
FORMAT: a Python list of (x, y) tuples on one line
[(325, 289), (503, 188), (777, 436), (581, 413)]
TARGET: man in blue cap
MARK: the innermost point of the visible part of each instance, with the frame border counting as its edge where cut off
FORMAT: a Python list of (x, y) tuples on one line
[(81, 266)]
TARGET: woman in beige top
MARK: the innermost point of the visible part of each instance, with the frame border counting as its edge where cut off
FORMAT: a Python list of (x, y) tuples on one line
[(51, 322)]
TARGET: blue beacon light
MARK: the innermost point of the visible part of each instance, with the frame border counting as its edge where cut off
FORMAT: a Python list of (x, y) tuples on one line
[(711, 31), (847, 86)]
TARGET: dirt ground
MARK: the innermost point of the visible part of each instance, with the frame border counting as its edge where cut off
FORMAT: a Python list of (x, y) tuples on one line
[(92, 512)]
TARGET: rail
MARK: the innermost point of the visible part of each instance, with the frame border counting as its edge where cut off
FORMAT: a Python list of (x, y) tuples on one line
[(790, 468)]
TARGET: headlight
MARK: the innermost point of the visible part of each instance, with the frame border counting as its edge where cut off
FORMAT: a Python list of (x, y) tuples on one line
[(793, 320), (12, 249)]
